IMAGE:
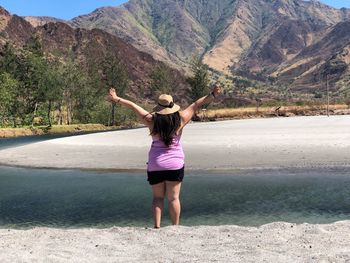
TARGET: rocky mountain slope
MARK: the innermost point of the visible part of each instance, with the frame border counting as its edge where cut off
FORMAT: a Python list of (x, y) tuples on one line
[(253, 38), (171, 30), (42, 20), (61, 40), (328, 57)]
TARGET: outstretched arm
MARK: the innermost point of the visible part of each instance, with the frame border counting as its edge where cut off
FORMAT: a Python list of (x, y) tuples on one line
[(143, 115), (188, 113)]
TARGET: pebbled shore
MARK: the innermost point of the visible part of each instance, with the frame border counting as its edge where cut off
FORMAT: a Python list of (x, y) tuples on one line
[(276, 242)]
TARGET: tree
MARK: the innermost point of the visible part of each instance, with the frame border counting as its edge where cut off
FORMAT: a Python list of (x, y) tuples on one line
[(52, 87), (199, 81), (162, 80), (28, 66), (8, 59), (73, 91), (34, 83), (34, 46), (115, 75), (343, 88), (242, 84), (347, 100), (8, 89), (9, 66), (254, 94)]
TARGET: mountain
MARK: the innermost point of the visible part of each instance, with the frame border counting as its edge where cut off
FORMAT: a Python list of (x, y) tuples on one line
[(297, 49), (167, 29), (253, 38), (42, 20), (329, 56), (62, 41), (122, 23), (294, 42), (14, 28)]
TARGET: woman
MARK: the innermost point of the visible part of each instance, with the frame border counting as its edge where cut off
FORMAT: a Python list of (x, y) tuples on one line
[(165, 167)]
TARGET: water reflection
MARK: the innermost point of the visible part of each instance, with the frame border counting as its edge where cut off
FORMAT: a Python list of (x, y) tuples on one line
[(59, 198)]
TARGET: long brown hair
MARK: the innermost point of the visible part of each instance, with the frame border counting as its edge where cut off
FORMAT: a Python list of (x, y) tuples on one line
[(166, 126)]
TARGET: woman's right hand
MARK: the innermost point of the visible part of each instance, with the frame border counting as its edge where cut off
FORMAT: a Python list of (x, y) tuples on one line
[(112, 94)]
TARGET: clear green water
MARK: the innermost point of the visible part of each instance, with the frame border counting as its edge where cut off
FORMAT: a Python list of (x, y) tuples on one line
[(73, 198), (66, 198)]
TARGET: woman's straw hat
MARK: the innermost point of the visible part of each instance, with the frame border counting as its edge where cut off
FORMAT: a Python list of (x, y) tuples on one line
[(166, 105)]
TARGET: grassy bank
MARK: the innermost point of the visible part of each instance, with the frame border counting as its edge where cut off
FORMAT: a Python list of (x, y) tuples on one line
[(207, 115), (58, 129), (264, 112)]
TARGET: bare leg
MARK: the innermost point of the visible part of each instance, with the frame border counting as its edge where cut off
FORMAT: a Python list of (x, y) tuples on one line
[(158, 202), (173, 194)]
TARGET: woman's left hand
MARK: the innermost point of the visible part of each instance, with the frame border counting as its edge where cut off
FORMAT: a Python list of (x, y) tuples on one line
[(216, 90)]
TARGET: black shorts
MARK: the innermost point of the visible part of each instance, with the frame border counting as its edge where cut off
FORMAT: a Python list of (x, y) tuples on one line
[(157, 177)]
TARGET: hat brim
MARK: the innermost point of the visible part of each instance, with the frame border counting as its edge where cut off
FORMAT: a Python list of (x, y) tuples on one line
[(164, 111)]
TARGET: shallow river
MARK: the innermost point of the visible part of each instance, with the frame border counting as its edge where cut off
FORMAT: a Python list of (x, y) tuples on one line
[(73, 198)]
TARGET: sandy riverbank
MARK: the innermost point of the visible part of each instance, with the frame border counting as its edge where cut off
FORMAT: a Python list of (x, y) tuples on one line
[(276, 242), (256, 143)]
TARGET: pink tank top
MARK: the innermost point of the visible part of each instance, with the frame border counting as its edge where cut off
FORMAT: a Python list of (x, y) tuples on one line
[(162, 157)]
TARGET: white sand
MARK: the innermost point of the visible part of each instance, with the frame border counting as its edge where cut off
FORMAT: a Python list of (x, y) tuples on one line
[(257, 143), (283, 142), (276, 242)]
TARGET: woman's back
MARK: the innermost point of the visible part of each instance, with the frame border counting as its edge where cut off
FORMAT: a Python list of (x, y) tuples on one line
[(162, 157)]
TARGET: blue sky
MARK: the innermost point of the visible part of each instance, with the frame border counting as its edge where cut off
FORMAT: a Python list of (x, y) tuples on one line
[(67, 9), (335, 3), (64, 9)]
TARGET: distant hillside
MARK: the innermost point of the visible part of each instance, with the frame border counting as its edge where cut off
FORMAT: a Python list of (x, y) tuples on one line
[(290, 40), (62, 41), (42, 20)]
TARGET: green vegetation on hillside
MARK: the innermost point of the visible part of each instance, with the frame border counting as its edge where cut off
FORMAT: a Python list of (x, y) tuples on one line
[(199, 81), (163, 80), (39, 89)]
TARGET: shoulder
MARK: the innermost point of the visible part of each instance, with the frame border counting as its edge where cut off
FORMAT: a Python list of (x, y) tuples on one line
[(182, 113), (182, 124), (148, 120)]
